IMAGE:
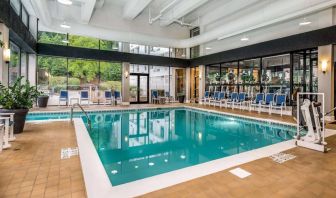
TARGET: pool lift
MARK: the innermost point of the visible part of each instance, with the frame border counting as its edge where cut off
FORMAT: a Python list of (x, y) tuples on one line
[(311, 120)]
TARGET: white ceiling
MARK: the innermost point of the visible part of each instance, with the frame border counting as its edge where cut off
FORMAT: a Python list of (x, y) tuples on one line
[(128, 20)]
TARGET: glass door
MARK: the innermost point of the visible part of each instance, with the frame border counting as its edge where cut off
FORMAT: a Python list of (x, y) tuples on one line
[(139, 88)]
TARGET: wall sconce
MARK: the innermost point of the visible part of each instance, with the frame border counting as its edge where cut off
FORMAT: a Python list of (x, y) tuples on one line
[(126, 74), (200, 76), (324, 66), (7, 54)]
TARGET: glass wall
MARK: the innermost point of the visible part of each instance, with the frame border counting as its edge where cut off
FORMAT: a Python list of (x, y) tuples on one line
[(169, 81), (14, 64), (95, 43), (52, 76), (249, 78), (83, 42), (52, 38), (55, 74), (286, 74)]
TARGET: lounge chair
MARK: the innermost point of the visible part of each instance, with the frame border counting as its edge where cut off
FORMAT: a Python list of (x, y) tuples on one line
[(219, 99), (257, 102), (279, 103), (214, 98), (269, 98), (108, 96), (240, 100), (155, 96), (117, 97), (84, 96), (232, 99), (64, 96), (168, 97), (206, 97)]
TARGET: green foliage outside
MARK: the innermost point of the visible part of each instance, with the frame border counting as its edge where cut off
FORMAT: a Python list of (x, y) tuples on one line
[(80, 72), (51, 38)]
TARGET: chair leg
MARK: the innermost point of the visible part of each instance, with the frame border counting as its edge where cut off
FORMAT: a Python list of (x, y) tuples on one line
[(6, 143)]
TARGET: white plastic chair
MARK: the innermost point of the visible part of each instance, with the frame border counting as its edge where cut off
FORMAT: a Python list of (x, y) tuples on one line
[(1, 136), (8, 120)]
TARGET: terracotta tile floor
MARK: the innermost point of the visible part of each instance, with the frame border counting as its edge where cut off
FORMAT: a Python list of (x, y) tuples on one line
[(33, 168)]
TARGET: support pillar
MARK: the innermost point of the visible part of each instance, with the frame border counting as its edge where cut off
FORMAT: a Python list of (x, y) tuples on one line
[(125, 83), (187, 88), (3, 65), (201, 85), (326, 79)]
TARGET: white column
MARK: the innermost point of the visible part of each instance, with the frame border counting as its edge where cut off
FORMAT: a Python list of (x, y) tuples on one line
[(3, 65), (326, 79), (125, 83), (32, 69), (187, 85), (201, 85)]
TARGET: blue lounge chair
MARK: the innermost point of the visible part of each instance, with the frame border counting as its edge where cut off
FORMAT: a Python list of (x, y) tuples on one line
[(269, 98), (240, 100), (155, 96), (64, 96), (232, 99), (279, 103), (117, 96), (108, 96), (214, 97), (206, 97), (257, 102), (84, 96), (219, 99)]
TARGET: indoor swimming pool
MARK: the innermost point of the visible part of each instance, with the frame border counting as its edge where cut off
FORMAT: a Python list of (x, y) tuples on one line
[(137, 144)]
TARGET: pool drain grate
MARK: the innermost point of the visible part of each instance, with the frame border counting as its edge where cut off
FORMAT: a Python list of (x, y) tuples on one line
[(282, 157), (66, 153), (239, 172)]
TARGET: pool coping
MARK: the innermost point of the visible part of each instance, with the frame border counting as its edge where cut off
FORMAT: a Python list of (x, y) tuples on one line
[(98, 184)]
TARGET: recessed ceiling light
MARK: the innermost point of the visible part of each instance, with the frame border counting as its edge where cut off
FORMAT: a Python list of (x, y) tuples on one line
[(65, 2), (305, 22), (244, 39), (64, 25), (208, 48)]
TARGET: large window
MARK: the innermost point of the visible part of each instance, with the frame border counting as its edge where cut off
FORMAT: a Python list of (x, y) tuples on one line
[(14, 64), (52, 76), (159, 79), (52, 38), (285, 73), (83, 41), (55, 74), (275, 76)]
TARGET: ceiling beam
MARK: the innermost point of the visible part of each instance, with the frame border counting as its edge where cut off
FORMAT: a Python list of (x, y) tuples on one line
[(134, 7), (179, 10), (87, 10)]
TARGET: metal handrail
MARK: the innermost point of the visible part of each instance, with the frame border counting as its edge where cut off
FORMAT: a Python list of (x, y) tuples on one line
[(87, 116)]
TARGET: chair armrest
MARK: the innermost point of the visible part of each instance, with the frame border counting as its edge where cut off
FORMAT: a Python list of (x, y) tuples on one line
[(6, 114)]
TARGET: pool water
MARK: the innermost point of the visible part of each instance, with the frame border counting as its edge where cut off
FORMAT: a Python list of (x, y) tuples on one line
[(140, 144)]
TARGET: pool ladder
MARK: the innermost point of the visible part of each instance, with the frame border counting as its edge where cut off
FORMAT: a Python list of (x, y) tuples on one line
[(86, 115)]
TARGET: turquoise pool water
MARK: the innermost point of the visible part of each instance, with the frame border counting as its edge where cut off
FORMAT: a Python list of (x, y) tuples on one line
[(133, 145)]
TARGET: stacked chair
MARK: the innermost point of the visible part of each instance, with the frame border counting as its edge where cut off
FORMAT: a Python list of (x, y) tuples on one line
[(6, 130)]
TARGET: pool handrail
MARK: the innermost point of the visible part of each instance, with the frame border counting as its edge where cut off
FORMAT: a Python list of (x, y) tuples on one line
[(87, 116)]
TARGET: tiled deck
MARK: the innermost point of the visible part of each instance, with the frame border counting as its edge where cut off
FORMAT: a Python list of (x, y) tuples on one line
[(33, 168)]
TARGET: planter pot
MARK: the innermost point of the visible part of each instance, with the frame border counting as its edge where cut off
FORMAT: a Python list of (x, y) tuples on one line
[(181, 99), (19, 118), (42, 101)]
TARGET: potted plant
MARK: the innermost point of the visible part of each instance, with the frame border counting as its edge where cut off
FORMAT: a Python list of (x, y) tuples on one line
[(42, 100), (181, 97), (18, 98)]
